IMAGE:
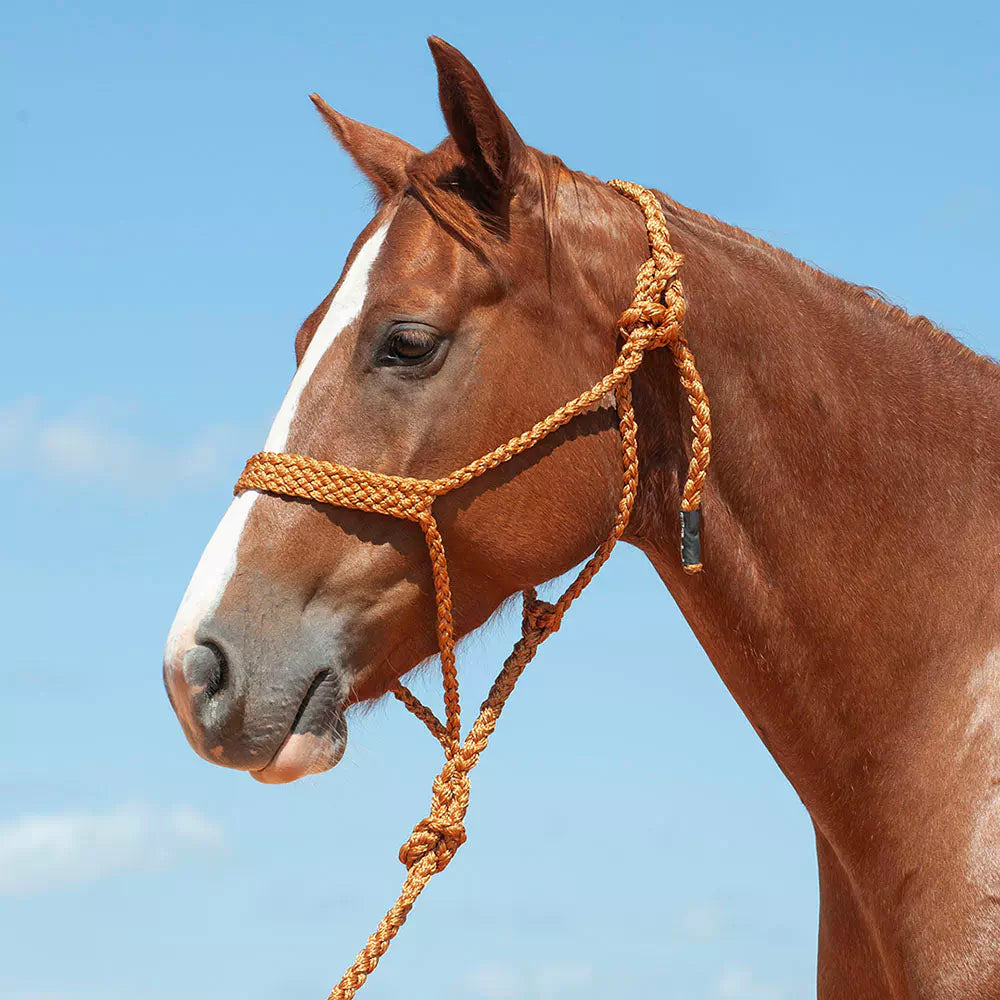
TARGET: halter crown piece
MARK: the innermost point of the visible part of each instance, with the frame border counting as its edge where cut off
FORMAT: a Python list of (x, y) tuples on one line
[(652, 320)]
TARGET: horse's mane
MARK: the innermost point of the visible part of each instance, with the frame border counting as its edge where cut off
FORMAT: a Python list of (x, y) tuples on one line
[(440, 181), (871, 297)]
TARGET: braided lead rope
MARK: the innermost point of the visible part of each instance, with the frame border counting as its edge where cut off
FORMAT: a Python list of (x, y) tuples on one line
[(436, 838), (652, 320)]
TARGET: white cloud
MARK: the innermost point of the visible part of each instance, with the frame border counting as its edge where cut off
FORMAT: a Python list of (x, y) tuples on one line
[(494, 979), (44, 995), (543, 981), (16, 421), (87, 446), (701, 921), (65, 849), (740, 984), (557, 978)]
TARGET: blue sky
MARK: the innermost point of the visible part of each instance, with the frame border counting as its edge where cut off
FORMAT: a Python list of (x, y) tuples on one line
[(172, 209)]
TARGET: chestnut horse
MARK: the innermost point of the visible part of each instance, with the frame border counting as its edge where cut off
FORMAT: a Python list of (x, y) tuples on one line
[(851, 597)]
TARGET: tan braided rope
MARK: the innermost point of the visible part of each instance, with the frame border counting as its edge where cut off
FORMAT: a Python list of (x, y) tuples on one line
[(652, 320)]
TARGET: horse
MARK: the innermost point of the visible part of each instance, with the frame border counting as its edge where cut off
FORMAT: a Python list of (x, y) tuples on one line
[(851, 594)]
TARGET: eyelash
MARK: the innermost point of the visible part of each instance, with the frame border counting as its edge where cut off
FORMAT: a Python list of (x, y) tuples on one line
[(390, 355)]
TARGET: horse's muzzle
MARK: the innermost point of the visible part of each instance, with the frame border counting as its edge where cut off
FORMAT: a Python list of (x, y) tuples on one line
[(279, 723)]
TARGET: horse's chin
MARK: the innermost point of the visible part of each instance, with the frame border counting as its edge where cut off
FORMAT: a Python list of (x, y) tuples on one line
[(305, 753)]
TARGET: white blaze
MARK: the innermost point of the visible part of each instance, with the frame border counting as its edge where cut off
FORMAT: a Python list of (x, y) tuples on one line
[(218, 561), (211, 575), (344, 309)]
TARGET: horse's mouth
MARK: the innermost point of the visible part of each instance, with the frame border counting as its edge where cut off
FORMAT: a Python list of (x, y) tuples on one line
[(316, 739)]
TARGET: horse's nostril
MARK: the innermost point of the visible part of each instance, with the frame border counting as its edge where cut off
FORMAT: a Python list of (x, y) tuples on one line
[(205, 669)]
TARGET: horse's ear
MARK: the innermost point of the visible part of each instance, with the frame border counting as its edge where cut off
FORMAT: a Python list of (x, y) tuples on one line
[(381, 157), (484, 135)]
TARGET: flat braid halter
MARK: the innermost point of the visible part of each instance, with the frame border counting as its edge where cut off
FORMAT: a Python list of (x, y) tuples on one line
[(652, 320)]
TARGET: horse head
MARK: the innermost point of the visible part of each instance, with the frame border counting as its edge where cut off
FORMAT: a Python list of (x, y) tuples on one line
[(461, 317)]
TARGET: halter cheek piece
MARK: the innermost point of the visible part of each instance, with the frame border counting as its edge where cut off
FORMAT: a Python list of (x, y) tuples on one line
[(652, 320)]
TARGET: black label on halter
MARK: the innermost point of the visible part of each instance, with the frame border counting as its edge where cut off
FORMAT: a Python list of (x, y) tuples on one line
[(690, 537)]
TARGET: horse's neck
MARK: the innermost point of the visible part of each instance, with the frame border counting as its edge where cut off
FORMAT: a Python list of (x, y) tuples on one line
[(852, 516)]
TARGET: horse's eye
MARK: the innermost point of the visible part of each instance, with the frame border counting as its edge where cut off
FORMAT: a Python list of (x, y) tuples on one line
[(408, 346)]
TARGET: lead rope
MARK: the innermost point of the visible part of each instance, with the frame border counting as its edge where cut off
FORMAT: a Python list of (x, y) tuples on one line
[(652, 320)]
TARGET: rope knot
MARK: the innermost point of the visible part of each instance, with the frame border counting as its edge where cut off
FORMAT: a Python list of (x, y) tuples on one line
[(649, 323), (432, 837), (539, 615), (442, 832)]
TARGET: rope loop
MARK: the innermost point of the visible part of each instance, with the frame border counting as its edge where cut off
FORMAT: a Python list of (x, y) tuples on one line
[(649, 322)]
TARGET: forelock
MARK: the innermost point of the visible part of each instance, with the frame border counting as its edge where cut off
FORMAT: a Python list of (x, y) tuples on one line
[(456, 200)]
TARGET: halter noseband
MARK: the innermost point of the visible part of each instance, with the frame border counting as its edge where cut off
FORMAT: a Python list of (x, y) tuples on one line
[(652, 320)]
